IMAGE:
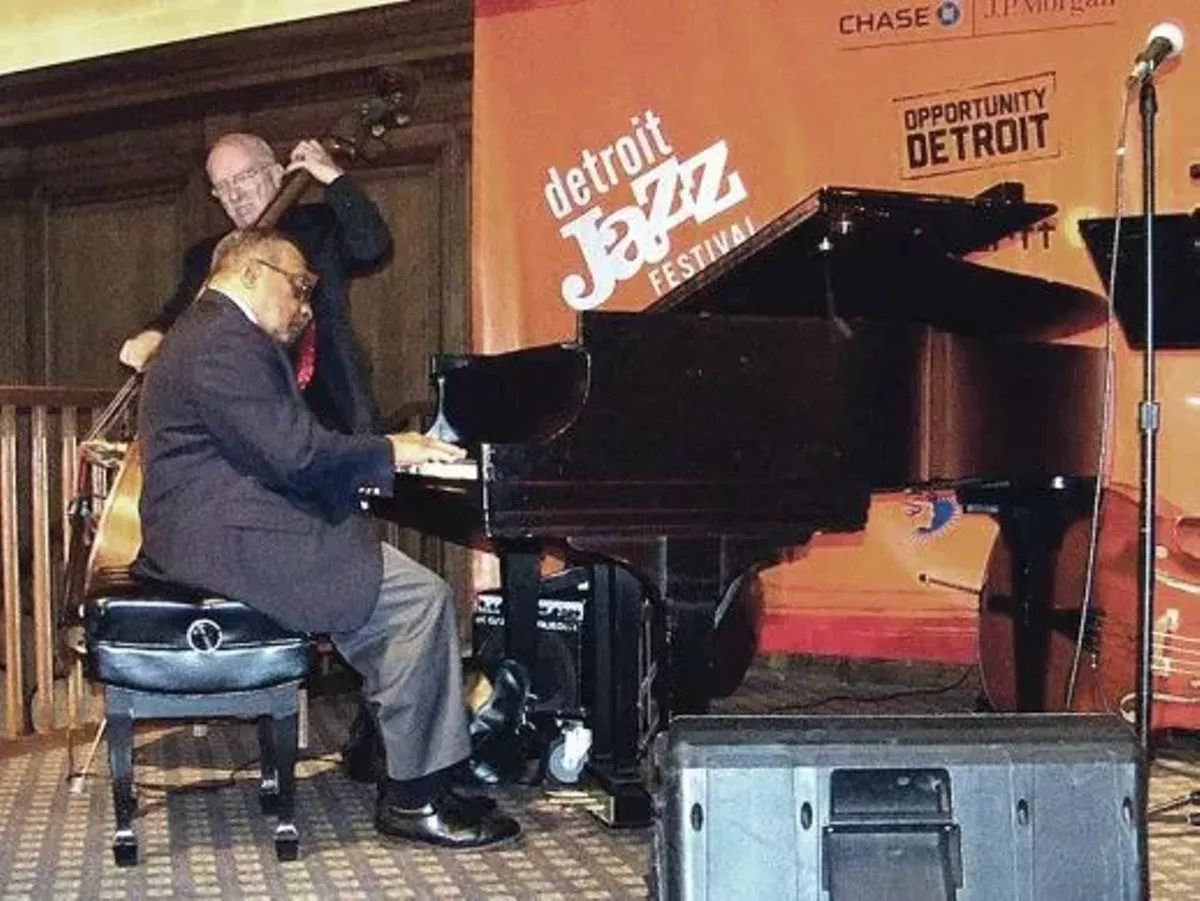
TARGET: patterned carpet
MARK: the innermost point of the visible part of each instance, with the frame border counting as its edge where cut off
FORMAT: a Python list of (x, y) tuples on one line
[(202, 836)]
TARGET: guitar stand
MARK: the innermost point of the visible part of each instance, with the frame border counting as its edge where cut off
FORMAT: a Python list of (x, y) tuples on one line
[(1192, 818), (79, 777), (1174, 812)]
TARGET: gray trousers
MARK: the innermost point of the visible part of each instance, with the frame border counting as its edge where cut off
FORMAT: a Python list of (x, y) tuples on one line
[(407, 653)]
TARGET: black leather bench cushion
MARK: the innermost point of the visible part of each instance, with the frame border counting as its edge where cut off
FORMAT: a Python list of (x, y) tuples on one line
[(161, 638)]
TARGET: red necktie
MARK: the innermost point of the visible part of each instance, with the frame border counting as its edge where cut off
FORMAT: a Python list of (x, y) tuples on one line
[(305, 355)]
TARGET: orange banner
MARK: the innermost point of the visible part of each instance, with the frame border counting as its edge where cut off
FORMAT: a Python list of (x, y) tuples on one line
[(620, 146)]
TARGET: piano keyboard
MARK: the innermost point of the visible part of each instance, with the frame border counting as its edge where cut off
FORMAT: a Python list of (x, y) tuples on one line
[(460, 470)]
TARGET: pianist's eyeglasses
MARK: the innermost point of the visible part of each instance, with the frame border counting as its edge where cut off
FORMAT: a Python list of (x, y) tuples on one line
[(302, 282)]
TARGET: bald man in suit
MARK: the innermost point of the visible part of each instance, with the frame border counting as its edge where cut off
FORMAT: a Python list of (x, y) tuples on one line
[(248, 496)]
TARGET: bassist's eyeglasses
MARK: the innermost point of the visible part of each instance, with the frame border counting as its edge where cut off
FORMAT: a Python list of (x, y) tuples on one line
[(239, 182)]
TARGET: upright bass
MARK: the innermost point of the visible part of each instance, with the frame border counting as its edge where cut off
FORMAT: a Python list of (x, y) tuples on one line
[(117, 535), (1091, 655)]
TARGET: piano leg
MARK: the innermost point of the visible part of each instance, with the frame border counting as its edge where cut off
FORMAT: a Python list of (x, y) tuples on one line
[(634, 675), (616, 676), (695, 580), (521, 586), (690, 655), (620, 691), (638, 675), (1032, 520)]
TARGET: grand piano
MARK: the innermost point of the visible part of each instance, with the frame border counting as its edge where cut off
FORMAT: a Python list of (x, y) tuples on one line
[(845, 348)]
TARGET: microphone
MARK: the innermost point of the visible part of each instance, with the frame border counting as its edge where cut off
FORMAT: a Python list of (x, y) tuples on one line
[(1164, 42)]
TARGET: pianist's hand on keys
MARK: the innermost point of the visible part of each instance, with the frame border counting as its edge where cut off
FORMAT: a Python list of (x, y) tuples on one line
[(410, 449)]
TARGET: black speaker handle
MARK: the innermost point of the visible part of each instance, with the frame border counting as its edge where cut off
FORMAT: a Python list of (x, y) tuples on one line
[(1194, 171)]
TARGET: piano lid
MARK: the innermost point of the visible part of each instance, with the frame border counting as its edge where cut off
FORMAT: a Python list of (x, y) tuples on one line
[(857, 253), (520, 396)]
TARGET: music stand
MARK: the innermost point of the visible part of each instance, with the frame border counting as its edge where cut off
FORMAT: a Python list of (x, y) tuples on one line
[(1176, 276)]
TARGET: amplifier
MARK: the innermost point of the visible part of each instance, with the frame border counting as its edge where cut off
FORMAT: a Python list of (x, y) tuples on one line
[(1022, 807), (558, 674)]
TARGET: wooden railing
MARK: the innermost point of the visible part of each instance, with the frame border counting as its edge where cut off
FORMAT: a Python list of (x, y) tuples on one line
[(40, 433), (47, 466)]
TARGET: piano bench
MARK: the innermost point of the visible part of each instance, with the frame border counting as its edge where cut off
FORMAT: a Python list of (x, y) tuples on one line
[(165, 652)]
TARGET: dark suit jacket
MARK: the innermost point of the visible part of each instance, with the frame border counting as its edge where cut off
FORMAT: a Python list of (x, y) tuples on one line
[(245, 494), (339, 238)]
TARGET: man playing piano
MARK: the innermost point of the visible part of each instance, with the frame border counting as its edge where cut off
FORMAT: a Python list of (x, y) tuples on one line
[(247, 495), (339, 237)]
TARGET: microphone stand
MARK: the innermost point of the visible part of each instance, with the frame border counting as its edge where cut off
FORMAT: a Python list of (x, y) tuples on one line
[(1148, 423)]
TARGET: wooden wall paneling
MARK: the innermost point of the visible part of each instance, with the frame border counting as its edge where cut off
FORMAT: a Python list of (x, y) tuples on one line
[(36, 284), (414, 306), (113, 265), (14, 339), (105, 142), (453, 561), (396, 310), (455, 174), (110, 241), (102, 188), (117, 160), (243, 62)]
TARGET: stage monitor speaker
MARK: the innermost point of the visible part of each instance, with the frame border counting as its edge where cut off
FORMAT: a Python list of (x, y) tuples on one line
[(1021, 807)]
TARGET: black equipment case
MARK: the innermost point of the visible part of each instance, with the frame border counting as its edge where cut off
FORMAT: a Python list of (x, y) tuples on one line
[(1021, 807)]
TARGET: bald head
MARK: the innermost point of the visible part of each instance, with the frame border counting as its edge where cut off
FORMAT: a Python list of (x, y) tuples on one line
[(249, 147), (267, 274), (241, 246)]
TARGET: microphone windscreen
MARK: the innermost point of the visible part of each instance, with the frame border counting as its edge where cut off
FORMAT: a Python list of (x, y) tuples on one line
[(1170, 32)]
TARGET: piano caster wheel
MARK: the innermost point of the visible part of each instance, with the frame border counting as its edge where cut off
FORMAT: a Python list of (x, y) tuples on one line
[(287, 843), (125, 849), (568, 754)]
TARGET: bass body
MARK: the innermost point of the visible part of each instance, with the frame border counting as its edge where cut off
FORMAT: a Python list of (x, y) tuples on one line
[(1106, 633)]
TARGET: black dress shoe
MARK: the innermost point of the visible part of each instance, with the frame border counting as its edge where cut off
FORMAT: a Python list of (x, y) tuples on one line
[(365, 760), (480, 804), (446, 821), (458, 792)]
